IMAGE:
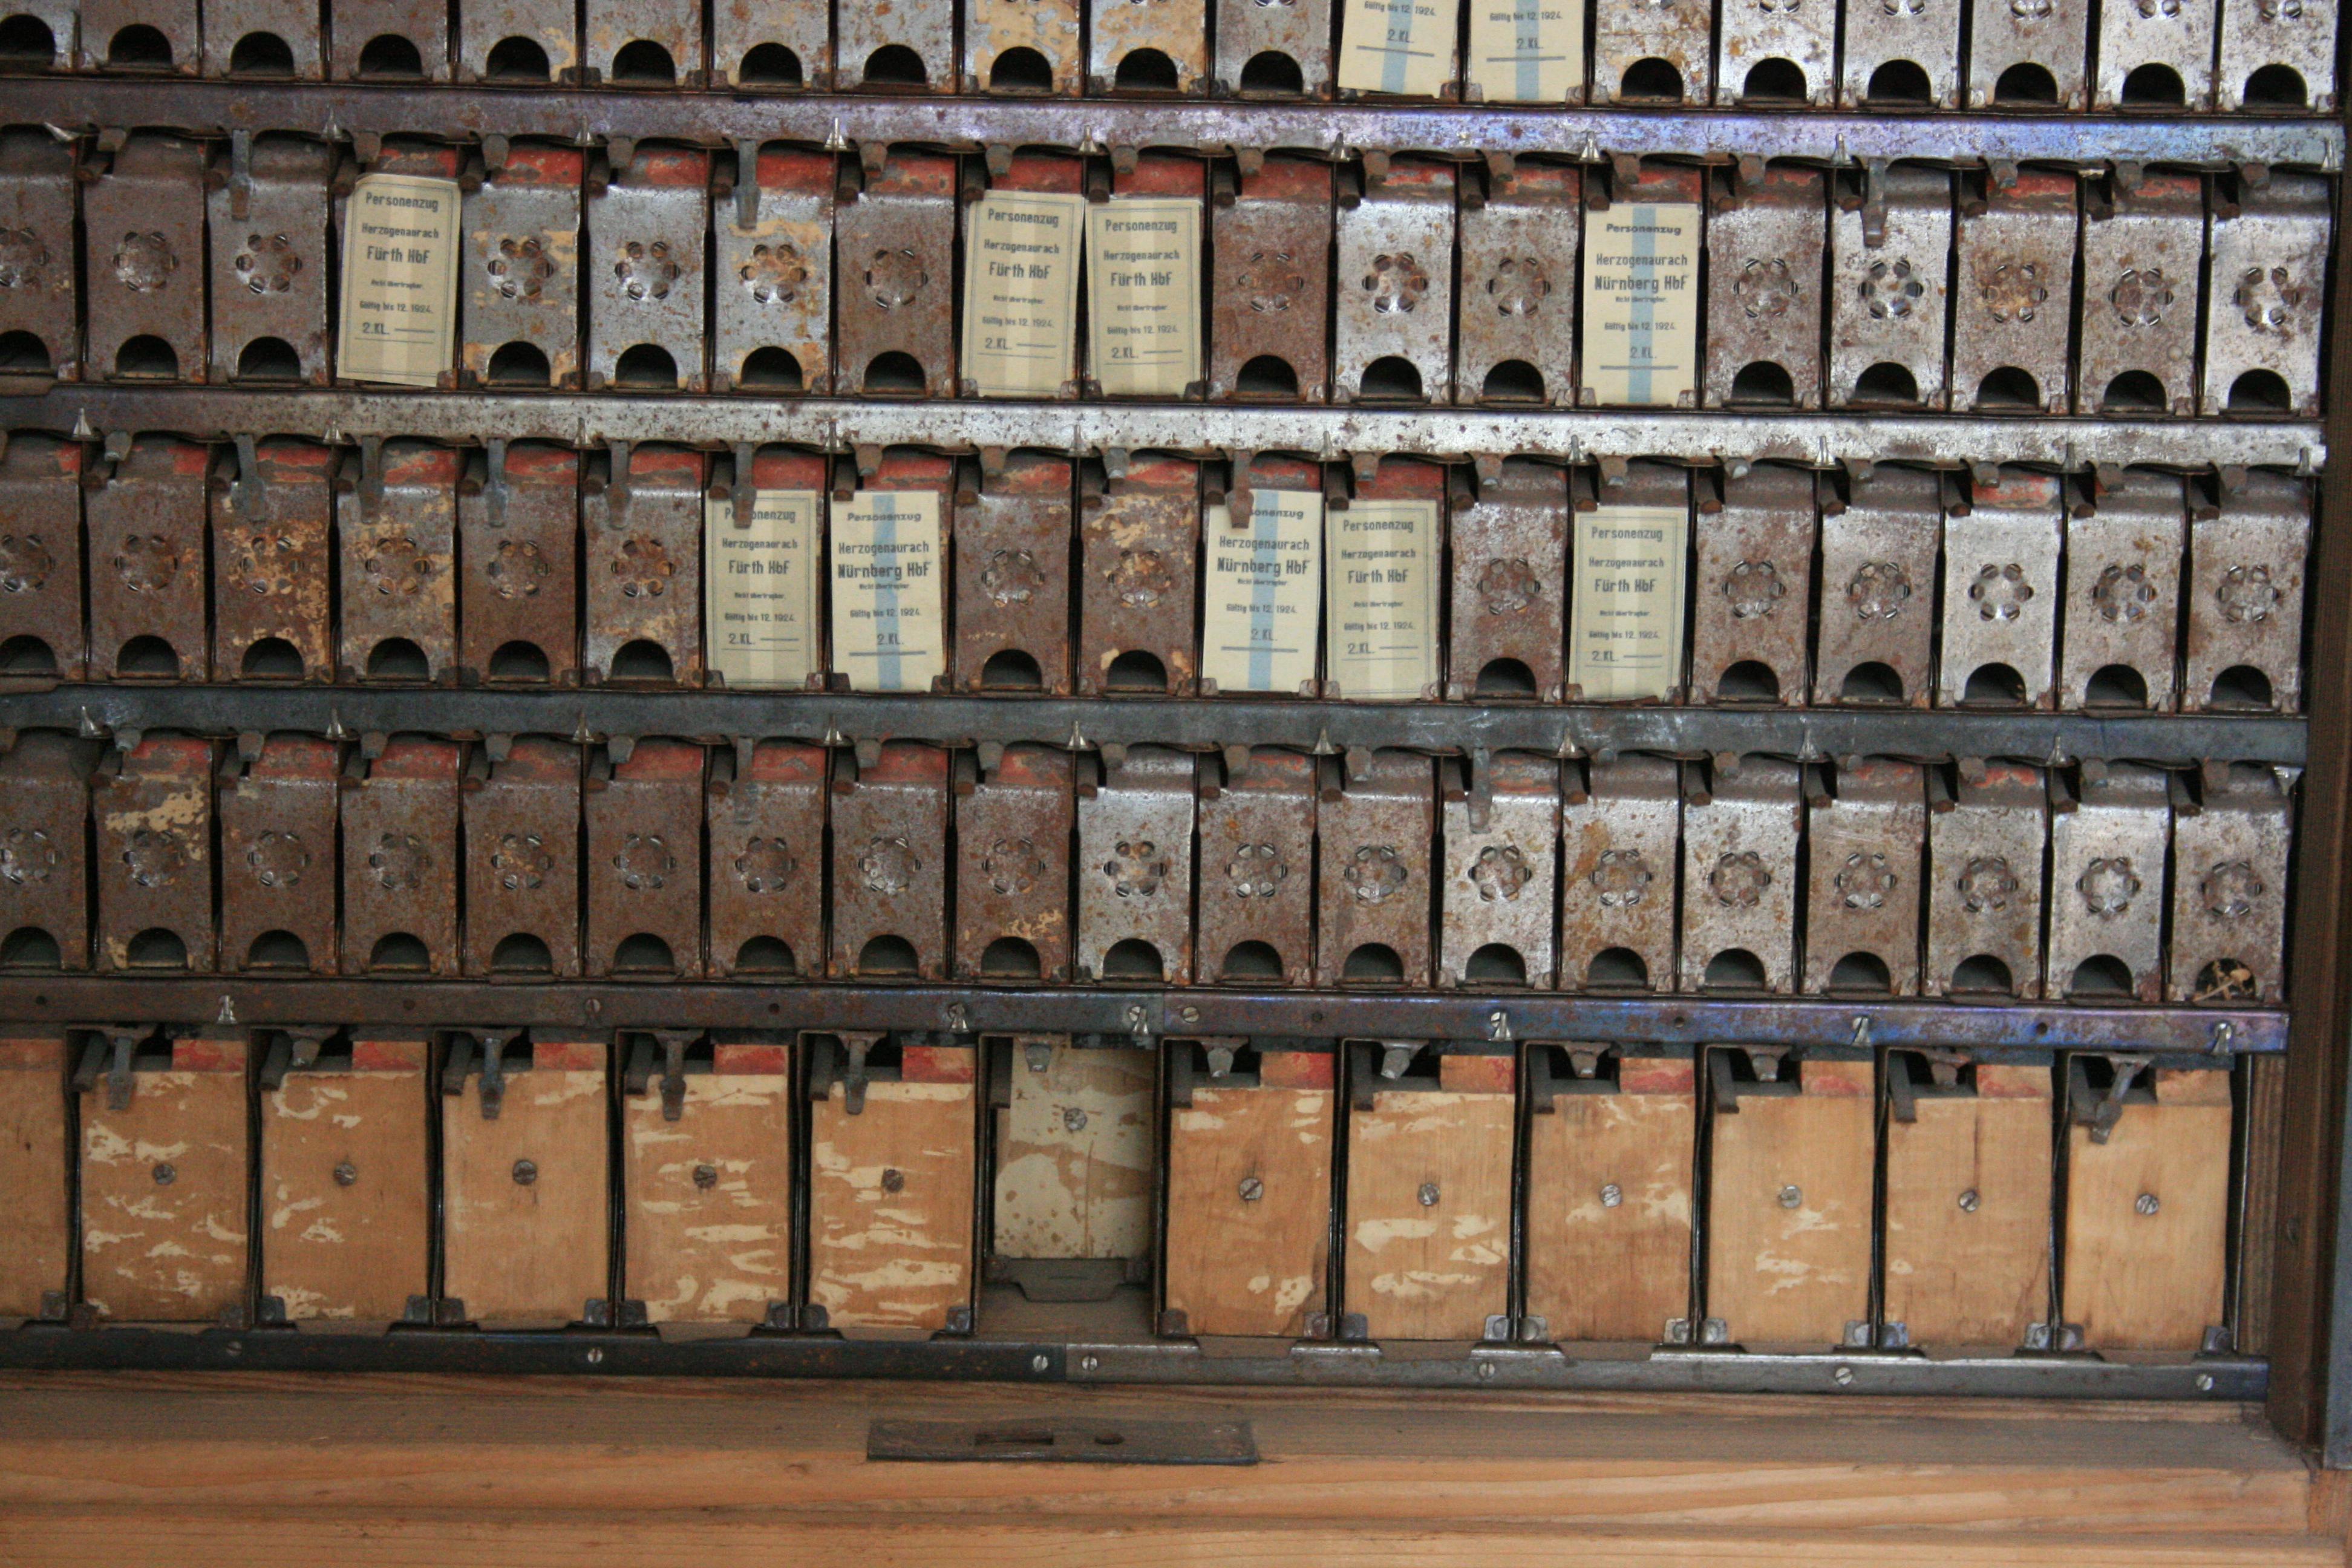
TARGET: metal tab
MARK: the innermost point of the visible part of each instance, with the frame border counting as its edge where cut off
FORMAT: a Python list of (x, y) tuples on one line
[(1518, 343), (772, 45), (277, 833), (45, 865), (645, 862), (2122, 602), (902, 47), (2229, 853), (1148, 45), (1740, 879), (890, 870), (1985, 841), (1013, 867), (2141, 256), (1620, 832), (400, 859), (774, 276), (2010, 335), (147, 568), (390, 40), (522, 260), (647, 231), (398, 528), (1280, 50), (2245, 599), (1777, 56), (2029, 54), (1878, 596), (2156, 55), (1659, 51), (1012, 566), (895, 327), (41, 557), (2278, 55), (1901, 54), (1391, 338), (1866, 837), (269, 265), (1135, 868), (519, 41), (144, 220), (1257, 872), (1024, 46), (2267, 288), (153, 807), (522, 862), (764, 806), (1509, 561), (271, 563), (1140, 536), (2001, 593), (36, 206), (1270, 296), (1374, 830), (163, 38), (644, 567), (1752, 604), (1765, 242), (642, 44), (2106, 886), (1890, 254), (1502, 825), (519, 522)]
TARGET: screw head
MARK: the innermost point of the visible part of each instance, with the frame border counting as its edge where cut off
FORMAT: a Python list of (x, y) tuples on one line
[(347, 1175), (1844, 1376), (706, 1176), (1191, 1015), (1074, 1118), (1087, 1364), (1428, 1194), (525, 1172), (1039, 1363), (894, 1180), (1970, 1202), (1252, 1189), (2145, 1204), (1612, 1195), (1485, 1369), (595, 1356), (166, 1173), (2204, 1382), (1792, 1196)]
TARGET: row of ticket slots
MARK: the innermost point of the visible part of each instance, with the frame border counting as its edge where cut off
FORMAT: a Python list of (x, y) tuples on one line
[(869, 1182), (654, 268), (412, 857), (2243, 55), (1401, 579)]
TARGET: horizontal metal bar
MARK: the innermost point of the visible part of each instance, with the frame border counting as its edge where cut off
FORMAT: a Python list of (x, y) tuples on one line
[(713, 117), (1201, 723), (1820, 439), (1142, 1011), (763, 1354)]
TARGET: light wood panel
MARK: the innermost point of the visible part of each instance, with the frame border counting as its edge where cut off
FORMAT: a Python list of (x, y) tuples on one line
[(2151, 1281), (890, 1202), (1968, 1213), (353, 1250), (1604, 1270), (1784, 1272), (720, 1252), (1434, 1269), (536, 1251), (1243, 1265), (1074, 1153), (163, 1191), (36, 1244)]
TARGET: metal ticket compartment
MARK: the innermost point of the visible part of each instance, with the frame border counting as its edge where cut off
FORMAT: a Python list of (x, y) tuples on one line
[(518, 565), (1014, 816), (394, 40), (44, 857), (1073, 1160), (894, 313), (644, 809), (522, 827), (1867, 840), (153, 809), (1620, 832), (37, 1151), (1428, 1221), (125, 35), (1272, 51), (648, 234), (1777, 56), (41, 555), (2118, 645), (1393, 333), (1988, 834), (2245, 597), (892, 1180), (526, 1178), (1374, 828), (1270, 294), (2016, 266), (278, 806), (1135, 865), (1147, 45), (165, 1236), (774, 273), (1900, 54), (890, 871), (145, 515), (60, 21), (518, 40), (1752, 608), (1019, 46), (1500, 827), (398, 525), (1662, 52), (706, 1163), (270, 262), (38, 204), (1250, 1136), (1766, 233), (415, 158), (1517, 335), (1639, 182), (1612, 1148), (1740, 876), (521, 298), (2031, 55), (242, 36), (401, 808), (2142, 249), (2267, 250), (346, 1216), (764, 819), (1012, 564), (2146, 1258), (637, 44), (1790, 1210), (1877, 620), (2230, 843), (772, 45), (904, 47), (272, 556), (2156, 55), (2001, 592), (1508, 562), (1139, 547), (1256, 820), (2109, 843), (1968, 1205), (641, 524), (2279, 55), (1890, 269)]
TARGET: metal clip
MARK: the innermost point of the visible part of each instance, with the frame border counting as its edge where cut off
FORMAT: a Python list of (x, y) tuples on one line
[(244, 493), (240, 174), (743, 495), (858, 1045), (747, 182), (1395, 1057), (494, 483), (673, 1043), (1874, 202), (616, 488)]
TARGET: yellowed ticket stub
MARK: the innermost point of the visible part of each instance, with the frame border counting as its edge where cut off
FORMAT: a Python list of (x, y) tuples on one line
[(1625, 597), (888, 585), (400, 280), (1380, 604), (1143, 295), (1527, 51), (1263, 594), (760, 588), (1641, 304), (1021, 292), (1400, 46)]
